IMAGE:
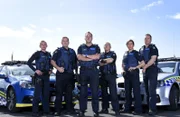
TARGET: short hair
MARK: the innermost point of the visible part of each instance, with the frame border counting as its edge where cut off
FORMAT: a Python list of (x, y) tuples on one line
[(149, 36), (65, 38), (129, 42), (89, 33), (42, 42), (108, 43)]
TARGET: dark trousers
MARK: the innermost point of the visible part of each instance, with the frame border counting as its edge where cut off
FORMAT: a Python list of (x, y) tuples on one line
[(105, 81), (132, 82), (150, 80), (64, 84), (41, 91), (92, 77)]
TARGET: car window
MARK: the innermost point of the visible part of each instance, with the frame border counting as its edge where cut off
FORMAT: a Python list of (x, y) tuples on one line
[(1, 68), (4, 70), (20, 70), (166, 67), (179, 69)]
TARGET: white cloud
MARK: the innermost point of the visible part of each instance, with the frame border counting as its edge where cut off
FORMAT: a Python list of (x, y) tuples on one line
[(147, 7), (47, 30), (176, 16), (32, 25), (134, 10), (59, 29), (25, 32)]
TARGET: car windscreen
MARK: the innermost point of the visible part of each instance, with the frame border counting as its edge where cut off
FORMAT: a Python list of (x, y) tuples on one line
[(20, 70), (166, 67)]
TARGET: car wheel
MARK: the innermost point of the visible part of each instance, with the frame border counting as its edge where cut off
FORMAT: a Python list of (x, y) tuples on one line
[(11, 100), (174, 98), (121, 106)]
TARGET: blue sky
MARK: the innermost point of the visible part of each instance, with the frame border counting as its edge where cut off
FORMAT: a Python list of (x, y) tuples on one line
[(24, 23)]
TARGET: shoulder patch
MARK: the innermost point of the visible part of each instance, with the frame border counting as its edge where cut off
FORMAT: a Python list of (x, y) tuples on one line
[(114, 54), (154, 47)]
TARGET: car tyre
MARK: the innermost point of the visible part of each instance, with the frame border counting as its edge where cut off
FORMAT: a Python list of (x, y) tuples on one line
[(11, 101), (174, 98)]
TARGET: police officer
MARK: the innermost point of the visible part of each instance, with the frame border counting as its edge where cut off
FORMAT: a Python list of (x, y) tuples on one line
[(131, 67), (42, 72), (108, 72), (65, 61), (88, 56), (150, 55)]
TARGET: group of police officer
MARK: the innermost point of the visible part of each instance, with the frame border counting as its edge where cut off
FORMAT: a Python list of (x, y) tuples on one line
[(88, 57)]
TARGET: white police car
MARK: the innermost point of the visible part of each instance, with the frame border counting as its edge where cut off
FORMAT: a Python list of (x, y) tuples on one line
[(168, 86)]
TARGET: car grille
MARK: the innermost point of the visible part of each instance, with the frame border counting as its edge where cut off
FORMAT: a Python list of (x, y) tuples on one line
[(121, 85), (52, 85), (123, 98)]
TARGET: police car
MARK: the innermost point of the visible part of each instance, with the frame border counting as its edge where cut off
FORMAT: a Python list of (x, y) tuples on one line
[(168, 85), (16, 88)]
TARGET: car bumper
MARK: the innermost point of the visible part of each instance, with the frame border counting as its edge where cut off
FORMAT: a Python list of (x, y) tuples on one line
[(27, 99), (162, 95)]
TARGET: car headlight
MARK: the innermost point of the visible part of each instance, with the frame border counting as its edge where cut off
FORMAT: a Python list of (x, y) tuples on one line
[(160, 83), (25, 84)]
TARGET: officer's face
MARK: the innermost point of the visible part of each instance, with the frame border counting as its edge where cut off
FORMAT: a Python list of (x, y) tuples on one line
[(147, 40), (107, 47), (65, 42), (43, 45), (88, 38), (130, 45)]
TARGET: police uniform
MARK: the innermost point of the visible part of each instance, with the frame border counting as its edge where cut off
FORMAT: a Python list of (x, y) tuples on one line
[(67, 59), (131, 59), (150, 76), (108, 73), (42, 63), (89, 74)]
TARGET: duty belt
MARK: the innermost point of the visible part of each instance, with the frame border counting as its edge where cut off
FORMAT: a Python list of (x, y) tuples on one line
[(108, 72), (88, 68)]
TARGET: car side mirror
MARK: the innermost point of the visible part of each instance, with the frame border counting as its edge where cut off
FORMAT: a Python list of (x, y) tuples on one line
[(3, 75)]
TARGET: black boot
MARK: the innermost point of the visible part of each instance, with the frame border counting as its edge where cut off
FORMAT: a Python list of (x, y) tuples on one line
[(96, 114), (80, 114), (104, 111)]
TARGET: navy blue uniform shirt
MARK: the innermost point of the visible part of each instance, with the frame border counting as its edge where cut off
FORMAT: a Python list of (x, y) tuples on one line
[(111, 67), (131, 59), (148, 52), (65, 58), (36, 56), (89, 50)]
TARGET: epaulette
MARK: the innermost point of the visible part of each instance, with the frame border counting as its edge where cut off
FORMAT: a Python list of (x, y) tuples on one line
[(152, 45), (83, 44), (95, 45), (112, 51)]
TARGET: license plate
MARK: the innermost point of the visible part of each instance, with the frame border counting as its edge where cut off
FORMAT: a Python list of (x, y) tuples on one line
[(122, 94), (53, 98)]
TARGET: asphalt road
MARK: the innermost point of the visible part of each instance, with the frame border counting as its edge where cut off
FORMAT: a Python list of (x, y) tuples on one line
[(162, 112)]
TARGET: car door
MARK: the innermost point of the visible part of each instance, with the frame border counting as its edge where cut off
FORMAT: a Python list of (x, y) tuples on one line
[(3, 80), (3, 85), (179, 69)]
